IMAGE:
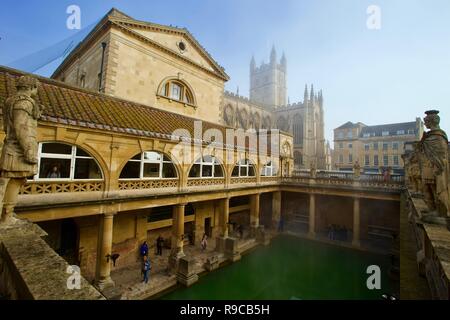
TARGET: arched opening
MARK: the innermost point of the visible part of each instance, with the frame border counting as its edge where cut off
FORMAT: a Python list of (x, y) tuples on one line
[(244, 168), (61, 161), (176, 89), (149, 165), (298, 130), (206, 167)]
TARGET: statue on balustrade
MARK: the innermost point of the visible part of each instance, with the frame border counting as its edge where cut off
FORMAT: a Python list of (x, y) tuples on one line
[(313, 169), (412, 169), (19, 156), (434, 166), (356, 170)]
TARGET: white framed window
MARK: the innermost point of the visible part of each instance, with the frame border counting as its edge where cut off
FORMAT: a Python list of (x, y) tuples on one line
[(366, 135), (367, 160), (395, 145), (177, 90), (269, 170), (385, 160), (60, 161), (385, 133), (396, 161), (350, 158), (411, 131), (243, 169), (400, 132), (385, 146), (149, 165), (206, 167)]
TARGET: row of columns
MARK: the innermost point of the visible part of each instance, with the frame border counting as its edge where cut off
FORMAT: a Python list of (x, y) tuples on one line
[(356, 241)]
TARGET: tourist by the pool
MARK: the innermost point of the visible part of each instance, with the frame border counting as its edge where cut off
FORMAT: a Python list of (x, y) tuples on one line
[(146, 269), (159, 245), (204, 242), (144, 249)]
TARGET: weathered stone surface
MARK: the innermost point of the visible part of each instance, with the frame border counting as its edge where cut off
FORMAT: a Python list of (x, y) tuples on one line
[(232, 249), (30, 269), (186, 274)]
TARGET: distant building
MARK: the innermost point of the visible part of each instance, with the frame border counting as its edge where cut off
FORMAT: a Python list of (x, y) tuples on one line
[(374, 147)]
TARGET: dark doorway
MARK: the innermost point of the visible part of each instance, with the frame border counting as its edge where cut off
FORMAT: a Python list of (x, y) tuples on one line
[(69, 241), (208, 229)]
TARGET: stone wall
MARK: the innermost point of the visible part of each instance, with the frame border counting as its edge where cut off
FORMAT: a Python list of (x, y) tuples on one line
[(30, 269)]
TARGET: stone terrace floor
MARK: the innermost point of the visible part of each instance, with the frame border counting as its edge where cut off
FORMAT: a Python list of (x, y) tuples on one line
[(128, 281)]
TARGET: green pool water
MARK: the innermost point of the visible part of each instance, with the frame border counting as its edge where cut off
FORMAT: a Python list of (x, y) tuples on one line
[(292, 268)]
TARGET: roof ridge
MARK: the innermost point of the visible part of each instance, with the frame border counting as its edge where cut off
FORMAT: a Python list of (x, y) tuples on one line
[(64, 85)]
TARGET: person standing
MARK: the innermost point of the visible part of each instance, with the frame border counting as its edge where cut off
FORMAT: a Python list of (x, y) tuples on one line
[(204, 242), (146, 269), (144, 249), (159, 245)]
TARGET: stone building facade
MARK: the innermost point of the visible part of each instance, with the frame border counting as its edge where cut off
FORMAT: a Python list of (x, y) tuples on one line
[(374, 147), (267, 107)]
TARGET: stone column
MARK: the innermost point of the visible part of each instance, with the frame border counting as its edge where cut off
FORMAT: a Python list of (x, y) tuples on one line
[(356, 222), (177, 236), (223, 224), (276, 209), (105, 239), (254, 210), (312, 215), (225, 213)]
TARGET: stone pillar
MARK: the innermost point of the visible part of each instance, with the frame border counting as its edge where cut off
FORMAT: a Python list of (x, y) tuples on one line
[(225, 213), (312, 215), (356, 222), (223, 224), (276, 209), (177, 236), (254, 213), (105, 239)]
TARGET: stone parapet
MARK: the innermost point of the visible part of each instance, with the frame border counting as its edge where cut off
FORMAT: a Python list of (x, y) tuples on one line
[(31, 270)]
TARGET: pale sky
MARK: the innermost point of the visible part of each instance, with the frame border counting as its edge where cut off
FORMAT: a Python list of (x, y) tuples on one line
[(379, 76)]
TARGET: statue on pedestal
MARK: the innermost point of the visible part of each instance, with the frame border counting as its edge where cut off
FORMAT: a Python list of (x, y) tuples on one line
[(313, 169), (434, 166), (356, 170), (19, 156)]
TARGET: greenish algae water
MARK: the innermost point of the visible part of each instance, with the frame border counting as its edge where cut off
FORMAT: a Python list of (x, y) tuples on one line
[(292, 269)]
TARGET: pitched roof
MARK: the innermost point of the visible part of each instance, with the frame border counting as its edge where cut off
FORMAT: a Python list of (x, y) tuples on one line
[(74, 106), (350, 124), (123, 21), (392, 128)]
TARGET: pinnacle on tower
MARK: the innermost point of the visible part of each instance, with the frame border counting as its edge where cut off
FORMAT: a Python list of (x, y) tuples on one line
[(312, 93), (283, 60), (252, 63), (305, 98), (273, 56)]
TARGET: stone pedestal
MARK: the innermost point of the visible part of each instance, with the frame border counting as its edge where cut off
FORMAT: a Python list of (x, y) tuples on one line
[(186, 275), (220, 244), (231, 249), (212, 263), (174, 259), (262, 236)]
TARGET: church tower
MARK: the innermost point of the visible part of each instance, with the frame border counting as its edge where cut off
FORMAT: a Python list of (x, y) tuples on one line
[(268, 82)]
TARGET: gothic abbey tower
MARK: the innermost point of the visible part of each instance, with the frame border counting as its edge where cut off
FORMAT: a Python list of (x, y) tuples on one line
[(267, 108), (268, 82)]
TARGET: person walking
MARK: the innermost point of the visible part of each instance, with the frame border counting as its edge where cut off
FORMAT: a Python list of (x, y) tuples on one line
[(144, 249), (146, 269), (159, 245), (204, 242)]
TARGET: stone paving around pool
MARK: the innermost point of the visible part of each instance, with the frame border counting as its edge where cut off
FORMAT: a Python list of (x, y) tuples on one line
[(129, 284)]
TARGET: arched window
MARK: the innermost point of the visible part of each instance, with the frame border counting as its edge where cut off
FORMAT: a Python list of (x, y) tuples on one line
[(149, 165), (206, 167), (283, 124), (59, 161), (269, 170), (298, 129), (177, 90), (243, 169), (298, 159)]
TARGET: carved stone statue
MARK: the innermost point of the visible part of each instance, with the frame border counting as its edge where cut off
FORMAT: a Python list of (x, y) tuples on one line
[(412, 169), (313, 169), (356, 169), (19, 154), (434, 165)]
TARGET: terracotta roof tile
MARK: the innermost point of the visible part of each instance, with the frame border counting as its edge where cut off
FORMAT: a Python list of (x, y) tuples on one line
[(78, 107)]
